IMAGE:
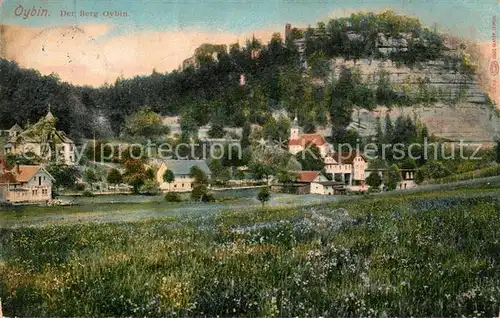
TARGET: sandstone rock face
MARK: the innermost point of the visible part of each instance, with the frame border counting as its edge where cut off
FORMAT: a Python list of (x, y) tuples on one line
[(464, 121), (469, 119), (442, 75)]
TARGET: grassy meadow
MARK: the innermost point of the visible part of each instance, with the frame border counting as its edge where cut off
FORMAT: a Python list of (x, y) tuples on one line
[(423, 253)]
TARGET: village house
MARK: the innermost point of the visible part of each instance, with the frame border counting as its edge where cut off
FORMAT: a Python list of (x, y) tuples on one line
[(181, 170), (315, 182), (38, 140), (407, 179), (320, 184), (25, 184), (298, 141), (349, 167)]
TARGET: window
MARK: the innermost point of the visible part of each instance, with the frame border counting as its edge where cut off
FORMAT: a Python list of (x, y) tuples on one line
[(39, 181)]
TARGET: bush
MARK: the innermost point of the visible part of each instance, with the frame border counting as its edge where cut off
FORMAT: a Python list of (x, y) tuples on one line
[(483, 173), (264, 195), (173, 197), (87, 194), (79, 187)]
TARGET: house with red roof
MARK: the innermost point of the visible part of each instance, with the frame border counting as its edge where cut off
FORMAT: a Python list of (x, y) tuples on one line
[(347, 166), (318, 183), (25, 184), (298, 141)]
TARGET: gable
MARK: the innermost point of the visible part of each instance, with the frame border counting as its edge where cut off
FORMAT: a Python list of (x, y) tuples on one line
[(307, 176), (183, 167), (348, 157), (320, 178)]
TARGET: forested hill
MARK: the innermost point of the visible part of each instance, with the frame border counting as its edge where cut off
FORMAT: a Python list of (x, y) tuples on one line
[(274, 79)]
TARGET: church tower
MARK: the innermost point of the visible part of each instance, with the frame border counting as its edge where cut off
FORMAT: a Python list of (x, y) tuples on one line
[(295, 129)]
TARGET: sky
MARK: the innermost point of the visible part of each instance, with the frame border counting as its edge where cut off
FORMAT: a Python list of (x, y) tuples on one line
[(160, 34)]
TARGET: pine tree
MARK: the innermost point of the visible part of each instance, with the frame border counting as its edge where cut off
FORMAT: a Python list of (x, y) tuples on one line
[(245, 135), (389, 129), (380, 132)]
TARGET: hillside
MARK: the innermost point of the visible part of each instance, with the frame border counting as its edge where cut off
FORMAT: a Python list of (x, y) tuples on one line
[(322, 74)]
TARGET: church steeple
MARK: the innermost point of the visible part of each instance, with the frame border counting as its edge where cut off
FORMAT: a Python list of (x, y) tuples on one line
[(49, 115), (295, 129)]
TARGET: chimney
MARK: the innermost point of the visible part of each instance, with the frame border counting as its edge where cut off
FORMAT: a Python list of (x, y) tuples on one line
[(18, 171), (2, 168)]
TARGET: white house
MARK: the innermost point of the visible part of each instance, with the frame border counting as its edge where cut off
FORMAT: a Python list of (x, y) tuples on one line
[(298, 141), (407, 179), (181, 170), (319, 184), (39, 138), (348, 166), (25, 184)]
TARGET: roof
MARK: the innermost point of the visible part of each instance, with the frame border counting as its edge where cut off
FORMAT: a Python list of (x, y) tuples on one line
[(49, 116), (183, 167), (25, 174), (36, 133), (315, 139), (346, 157), (16, 127), (307, 176), (8, 178)]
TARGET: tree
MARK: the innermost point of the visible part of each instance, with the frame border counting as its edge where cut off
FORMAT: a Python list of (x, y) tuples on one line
[(380, 133), (498, 151), (374, 180), (384, 93), (320, 64), (310, 158), (393, 177), (277, 129), (264, 195), (389, 129), (434, 169), (245, 135), (150, 187), (145, 123), (200, 192), (198, 175), (342, 103), (168, 177), (151, 173), (90, 177), (286, 177), (173, 197), (261, 170), (240, 174), (64, 175), (114, 177), (188, 125), (135, 174), (220, 173), (419, 176), (200, 189), (217, 126)]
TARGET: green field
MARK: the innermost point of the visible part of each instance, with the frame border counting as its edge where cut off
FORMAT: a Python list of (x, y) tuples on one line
[(432, 252)]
